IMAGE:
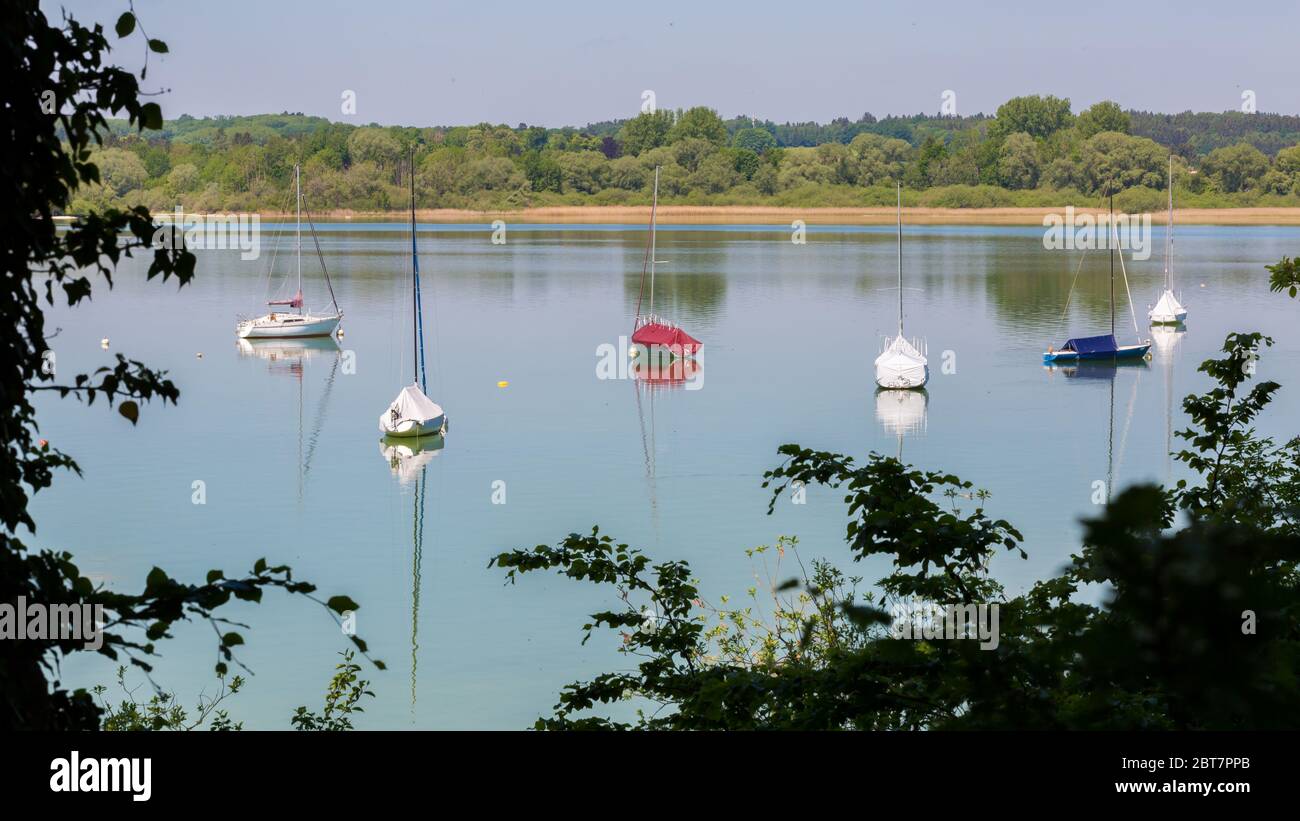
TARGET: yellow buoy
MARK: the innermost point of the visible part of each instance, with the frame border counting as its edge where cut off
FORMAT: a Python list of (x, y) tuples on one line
[(503, 384)]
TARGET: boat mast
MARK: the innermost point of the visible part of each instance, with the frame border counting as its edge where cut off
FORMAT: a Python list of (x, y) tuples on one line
[(297, 183), (654, 208), (1169, 226), (417, 325), (899, 192), (1114, 237)]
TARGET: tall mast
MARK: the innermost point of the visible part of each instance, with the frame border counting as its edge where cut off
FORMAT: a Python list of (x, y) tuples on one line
[(297, 184), (1114, 237), (415, 283), (654, 208), (899, 191), (1169, 226)]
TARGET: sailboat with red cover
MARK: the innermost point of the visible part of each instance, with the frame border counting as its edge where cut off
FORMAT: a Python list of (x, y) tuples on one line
[(651, 332)]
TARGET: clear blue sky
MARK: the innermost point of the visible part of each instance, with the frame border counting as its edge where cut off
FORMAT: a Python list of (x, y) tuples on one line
[(558, 63)]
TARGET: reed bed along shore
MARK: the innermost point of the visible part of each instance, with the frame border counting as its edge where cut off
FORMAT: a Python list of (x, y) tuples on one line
[(773, 215)]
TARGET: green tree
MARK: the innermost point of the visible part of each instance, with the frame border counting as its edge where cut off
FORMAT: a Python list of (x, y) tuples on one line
[(1111, 162), (699, 123), (647, 130), (879, 159), (1039, 117), (1103, 116), (1018, 164), (758, 140), (1235, 168), (542, 171)]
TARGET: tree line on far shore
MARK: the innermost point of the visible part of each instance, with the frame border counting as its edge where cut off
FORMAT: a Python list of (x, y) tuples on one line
[(1034, 152)]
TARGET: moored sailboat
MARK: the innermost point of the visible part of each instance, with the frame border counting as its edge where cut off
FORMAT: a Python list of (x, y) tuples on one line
[(295, 322), (1168, 310), (651, 332), (413, 413), (902, 364), (1102, 346)]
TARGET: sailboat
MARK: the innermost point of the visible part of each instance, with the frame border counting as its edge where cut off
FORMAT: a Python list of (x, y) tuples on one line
[(413, 413), (295, 322), (1168, 310), (1105, 346), (651, 332), (902, 364)]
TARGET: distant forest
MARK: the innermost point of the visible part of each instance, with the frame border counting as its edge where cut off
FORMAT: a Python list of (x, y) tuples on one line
[(1033, 151)]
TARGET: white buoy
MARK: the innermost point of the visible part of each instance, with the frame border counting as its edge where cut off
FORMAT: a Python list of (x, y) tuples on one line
[(103, 343)]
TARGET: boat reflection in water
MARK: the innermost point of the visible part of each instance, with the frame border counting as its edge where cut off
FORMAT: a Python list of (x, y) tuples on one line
[(902, 413), (408, 458), (289, 357), (662, 372), (1090, 371), (1166, 339), (652, 376)]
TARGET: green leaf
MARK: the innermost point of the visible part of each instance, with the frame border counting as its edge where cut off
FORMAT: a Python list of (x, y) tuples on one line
[(125, 24), (130, 410), (151, 116), (158, 46), (215, 576), (342, 604), (231, 639), (157, 578)]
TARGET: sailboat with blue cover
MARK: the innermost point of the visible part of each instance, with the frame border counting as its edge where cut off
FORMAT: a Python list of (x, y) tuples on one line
[(413, 413), (1103, 346)]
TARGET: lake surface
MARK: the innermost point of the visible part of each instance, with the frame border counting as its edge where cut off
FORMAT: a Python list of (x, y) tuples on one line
[(285, 437)]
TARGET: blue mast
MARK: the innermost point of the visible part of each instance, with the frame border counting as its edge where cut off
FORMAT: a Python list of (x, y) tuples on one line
[(418, 360)]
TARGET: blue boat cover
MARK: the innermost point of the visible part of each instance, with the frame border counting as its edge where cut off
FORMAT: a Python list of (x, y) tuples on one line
[(1091, 344)]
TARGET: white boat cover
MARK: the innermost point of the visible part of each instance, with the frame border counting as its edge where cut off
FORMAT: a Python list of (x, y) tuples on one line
[(901, 365), (411, 404), (1167, 309)]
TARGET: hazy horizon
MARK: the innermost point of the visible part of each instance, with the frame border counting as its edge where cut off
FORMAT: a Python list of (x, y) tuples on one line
[(521, 63)]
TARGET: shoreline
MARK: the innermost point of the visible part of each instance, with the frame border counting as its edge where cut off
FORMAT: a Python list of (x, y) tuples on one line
[(774, 215)]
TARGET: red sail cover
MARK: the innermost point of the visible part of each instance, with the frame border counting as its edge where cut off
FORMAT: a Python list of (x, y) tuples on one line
[(674, 340), (296, 302)]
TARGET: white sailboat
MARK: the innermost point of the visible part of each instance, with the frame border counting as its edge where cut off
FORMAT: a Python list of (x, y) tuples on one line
[(295, 322), (1168, 310), (902, 364), (413, 413)]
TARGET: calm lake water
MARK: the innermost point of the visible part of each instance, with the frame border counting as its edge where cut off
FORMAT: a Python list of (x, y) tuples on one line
[(285, 437)]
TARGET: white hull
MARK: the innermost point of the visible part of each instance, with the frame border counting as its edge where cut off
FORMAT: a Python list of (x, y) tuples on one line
[(1167, 318), (911, 380), (284, 326), (411, 428)]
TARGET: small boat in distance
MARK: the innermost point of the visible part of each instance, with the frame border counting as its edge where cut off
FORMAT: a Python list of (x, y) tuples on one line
[(413, 413), (651, 332), (1103, 346), (1168, 310), (296, 322), (902, 364)]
